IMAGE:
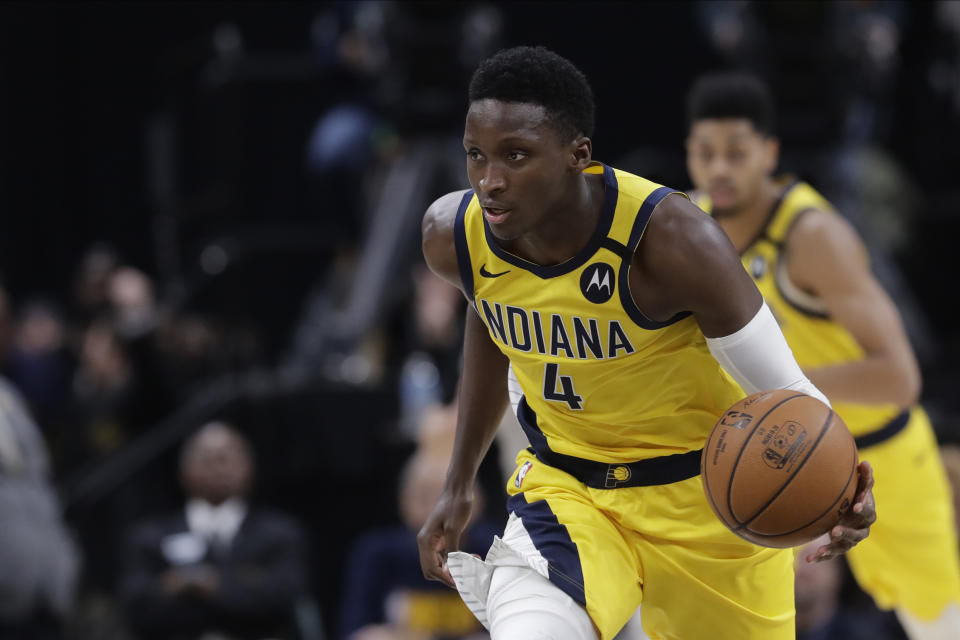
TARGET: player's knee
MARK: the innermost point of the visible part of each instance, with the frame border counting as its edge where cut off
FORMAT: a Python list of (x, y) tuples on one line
[(524, 604)]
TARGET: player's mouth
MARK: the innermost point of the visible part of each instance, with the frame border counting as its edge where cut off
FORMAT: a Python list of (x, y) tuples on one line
[(495, 215), (722, 195)]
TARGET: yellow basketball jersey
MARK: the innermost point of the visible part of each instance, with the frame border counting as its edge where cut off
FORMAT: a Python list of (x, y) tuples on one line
[(602, 381), (816, 340)]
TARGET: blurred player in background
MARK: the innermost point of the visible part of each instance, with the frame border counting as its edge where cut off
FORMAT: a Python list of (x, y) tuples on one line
[(614, 300), (846, 334)]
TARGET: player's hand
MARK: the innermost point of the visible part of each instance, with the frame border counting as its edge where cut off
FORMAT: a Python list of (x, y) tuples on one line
[(854, 525), (441, 534)]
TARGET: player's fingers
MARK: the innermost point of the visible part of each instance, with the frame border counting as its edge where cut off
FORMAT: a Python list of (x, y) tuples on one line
[(445, 576), (866, 511), (843, 538), (823, 553), (864, 481), (433, 556), (866, 475)]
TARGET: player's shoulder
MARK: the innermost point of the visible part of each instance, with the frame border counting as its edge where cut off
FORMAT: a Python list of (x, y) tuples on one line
[(681, 239), (683, 224), (821, 226), (821, 245), (439, 249), (631, 184), (441, 215)]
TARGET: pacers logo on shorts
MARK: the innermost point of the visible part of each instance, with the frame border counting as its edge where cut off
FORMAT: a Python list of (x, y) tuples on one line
[(617, 474), (522, 473)]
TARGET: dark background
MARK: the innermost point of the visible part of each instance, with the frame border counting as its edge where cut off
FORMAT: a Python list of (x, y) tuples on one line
[(85, 87)]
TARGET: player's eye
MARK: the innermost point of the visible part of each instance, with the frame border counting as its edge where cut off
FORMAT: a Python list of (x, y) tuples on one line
[(473, 154), (513, 156)]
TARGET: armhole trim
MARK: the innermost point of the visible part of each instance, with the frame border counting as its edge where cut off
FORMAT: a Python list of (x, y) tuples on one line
[(461, 246)]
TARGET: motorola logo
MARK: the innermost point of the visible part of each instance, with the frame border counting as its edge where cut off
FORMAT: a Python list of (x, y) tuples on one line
[(597, 282)]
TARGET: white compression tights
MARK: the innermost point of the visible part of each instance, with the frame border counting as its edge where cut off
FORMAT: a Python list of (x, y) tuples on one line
[(524, 604)]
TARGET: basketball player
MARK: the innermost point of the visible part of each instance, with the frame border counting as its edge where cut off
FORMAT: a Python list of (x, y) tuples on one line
[(847, 336), (616, 301)]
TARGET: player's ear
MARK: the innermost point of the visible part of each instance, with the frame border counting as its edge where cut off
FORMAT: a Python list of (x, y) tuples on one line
[(581, 153), (772, 153)]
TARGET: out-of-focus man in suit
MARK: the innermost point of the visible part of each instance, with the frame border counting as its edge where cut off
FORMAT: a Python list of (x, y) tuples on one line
[(220, 567)]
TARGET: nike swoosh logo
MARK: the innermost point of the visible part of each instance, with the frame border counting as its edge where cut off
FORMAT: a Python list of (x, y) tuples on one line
[(487, 274)]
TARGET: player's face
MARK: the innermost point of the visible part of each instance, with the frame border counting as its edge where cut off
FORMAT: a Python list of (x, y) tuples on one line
[(516, 164), (729, 160)]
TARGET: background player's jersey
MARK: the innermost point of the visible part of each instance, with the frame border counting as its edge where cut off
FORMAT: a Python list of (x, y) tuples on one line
[(601, 381), (815, 339)]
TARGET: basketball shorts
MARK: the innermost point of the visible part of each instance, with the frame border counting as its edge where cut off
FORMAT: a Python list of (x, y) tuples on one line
[(609, 549), (910, 558)]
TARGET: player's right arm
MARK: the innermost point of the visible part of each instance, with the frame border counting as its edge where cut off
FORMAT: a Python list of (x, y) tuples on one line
[(826, 257), (481, 400)]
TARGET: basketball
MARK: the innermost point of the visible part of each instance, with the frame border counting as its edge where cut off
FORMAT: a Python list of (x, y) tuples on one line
[(779, 468)]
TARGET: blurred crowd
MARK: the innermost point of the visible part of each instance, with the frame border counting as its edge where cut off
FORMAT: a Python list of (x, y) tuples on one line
[(239, 436)]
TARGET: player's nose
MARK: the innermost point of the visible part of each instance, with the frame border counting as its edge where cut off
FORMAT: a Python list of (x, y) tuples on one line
[(492, 180), (718, 167)]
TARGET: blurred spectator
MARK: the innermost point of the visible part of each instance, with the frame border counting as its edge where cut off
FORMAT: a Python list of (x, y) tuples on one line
[(822, 615), (385, 595), (389, 150), (39, 363), (221, 565), (91, 285), (131, 297), (431, 362), (6, 326), (38, 558), (112, 400)]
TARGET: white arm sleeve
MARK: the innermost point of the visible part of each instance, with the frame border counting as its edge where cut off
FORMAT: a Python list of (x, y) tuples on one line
[(758, 357)]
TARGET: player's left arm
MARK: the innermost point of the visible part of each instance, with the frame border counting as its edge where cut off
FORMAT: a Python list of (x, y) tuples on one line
[(685, 262), (826, 257)]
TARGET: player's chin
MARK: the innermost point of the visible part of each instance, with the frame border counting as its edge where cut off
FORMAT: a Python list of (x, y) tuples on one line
[(505, 231)]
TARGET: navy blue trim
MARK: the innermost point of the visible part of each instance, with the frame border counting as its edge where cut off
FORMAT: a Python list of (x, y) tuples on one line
[(885, 432), (626, 298), (762, 232), (615, 247), (807, 311), (552, 540), (603, 475), (604, 222), (460, 243)]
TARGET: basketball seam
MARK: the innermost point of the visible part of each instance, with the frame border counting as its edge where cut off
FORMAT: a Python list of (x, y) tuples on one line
[(736, 463), (830, 508), (823, 432)]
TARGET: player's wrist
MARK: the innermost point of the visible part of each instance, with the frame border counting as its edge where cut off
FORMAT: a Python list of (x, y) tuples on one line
[(459, 489)]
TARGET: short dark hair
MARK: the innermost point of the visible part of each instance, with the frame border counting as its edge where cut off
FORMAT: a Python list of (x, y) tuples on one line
[(536, 75), (732, 95)]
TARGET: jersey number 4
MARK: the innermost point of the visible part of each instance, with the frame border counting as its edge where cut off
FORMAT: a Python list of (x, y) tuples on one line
[(565, 392)]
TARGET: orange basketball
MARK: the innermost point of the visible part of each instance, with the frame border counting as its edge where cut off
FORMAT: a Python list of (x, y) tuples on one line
[(779, 468)]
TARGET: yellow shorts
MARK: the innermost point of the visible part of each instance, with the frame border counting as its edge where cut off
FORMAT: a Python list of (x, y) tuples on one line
[(910, 559), (611, 548)]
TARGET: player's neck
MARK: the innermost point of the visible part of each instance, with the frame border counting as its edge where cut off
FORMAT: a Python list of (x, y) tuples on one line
[(744, 224), (565, 231)]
